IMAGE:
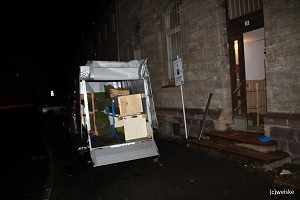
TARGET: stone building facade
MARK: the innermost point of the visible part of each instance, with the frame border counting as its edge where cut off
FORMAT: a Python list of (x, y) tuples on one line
[(205, 32), (204, 55), (282, 28)]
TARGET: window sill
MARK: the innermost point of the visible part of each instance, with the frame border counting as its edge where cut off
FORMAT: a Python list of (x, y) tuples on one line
[(169, 84)]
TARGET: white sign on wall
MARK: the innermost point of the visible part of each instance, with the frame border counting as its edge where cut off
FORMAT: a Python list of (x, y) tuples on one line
[(178, 73), (179, 81)]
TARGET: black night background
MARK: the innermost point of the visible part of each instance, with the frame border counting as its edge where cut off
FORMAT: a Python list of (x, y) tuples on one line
[(41, 41)]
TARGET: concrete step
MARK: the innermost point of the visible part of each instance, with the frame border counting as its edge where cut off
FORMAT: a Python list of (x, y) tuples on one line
[(247, 156), (247, 140)]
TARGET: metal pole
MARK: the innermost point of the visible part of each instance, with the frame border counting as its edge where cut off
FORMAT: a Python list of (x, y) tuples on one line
[(183, 109), (86, 107), (204, 117)]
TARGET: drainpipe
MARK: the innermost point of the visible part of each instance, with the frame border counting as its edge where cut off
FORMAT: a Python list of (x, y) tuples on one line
[(117, 27)]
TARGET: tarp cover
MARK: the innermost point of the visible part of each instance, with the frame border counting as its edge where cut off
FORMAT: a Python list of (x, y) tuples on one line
[(113, 70)]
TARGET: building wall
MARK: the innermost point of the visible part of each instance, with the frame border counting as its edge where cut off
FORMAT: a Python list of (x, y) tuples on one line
[(282, 27), (141, 34), (104, 35), (205, 60), (205, 57)]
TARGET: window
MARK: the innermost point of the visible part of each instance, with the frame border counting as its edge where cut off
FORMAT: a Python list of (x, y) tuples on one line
[(105, 31), (237, 8), (172, 20), (113, 22), (137, 34), (91, 50), (99, 38)]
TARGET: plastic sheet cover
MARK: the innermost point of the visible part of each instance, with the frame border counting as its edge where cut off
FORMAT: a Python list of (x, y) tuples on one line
[(112, 70)]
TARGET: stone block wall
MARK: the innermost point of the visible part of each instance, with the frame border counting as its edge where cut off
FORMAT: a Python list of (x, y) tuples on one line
[(170, 117), (205, 57), (282, 28), (285, 130)]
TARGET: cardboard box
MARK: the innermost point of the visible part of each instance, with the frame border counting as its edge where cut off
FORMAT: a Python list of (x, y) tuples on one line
[(135, 127)]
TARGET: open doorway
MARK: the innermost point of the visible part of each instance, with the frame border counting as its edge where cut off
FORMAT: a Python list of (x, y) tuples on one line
[(248, 80), (245, 28), (254, 46)]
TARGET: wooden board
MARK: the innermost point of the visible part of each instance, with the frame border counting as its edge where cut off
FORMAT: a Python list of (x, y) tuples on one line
[(130, 104), (93, 115), (116, 92)]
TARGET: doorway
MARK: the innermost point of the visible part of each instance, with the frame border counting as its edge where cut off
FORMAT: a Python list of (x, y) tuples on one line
[(254, 46), (248, 80)]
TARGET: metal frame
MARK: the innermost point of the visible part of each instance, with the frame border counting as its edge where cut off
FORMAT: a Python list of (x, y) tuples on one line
[(134, 75)]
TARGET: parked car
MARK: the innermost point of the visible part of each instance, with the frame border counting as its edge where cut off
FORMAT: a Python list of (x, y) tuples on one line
[(52, 107)]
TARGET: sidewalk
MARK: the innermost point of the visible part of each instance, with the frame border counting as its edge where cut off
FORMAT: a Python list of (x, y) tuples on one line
[(287, 174)]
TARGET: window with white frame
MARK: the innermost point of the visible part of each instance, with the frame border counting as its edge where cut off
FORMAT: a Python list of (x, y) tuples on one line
[(172, 20)]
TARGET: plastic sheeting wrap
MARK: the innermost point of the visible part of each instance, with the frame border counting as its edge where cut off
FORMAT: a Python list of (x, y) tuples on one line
[(108, 70), (131, 75), (117, 74)]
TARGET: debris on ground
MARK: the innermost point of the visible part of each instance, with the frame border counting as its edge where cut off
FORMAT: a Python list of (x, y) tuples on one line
[(285, 172)]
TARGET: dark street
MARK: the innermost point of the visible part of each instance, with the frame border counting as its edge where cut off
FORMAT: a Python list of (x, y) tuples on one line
[(179, 172), (213, 87), (24, 154)]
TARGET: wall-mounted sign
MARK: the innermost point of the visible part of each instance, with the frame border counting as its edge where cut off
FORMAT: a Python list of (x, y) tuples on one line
[(247, 23), (179, 81), (178, 72)]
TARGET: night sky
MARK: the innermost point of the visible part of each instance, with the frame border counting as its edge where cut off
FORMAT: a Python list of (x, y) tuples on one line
[(41, 38)]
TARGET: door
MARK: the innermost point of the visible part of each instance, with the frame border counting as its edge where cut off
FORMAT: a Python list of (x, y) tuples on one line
[(254, 52), (248, 80), (238, 82), (244, 18)]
